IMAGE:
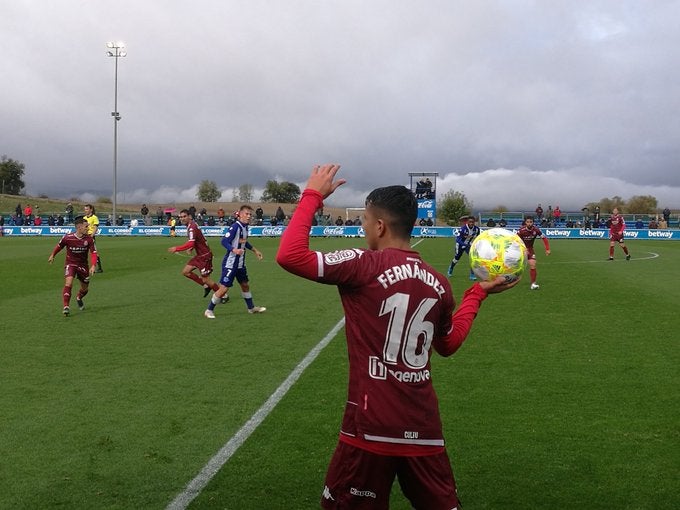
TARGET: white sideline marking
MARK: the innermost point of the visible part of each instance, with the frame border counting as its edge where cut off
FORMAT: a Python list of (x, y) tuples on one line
[(193, 489)]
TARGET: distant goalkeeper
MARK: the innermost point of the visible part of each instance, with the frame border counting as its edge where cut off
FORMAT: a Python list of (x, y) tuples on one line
[(466, 234)]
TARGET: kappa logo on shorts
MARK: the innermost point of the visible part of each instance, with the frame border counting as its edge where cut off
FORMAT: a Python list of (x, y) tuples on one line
[(327, 493)]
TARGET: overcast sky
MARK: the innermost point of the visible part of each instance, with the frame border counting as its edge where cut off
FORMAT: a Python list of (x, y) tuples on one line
[(511, 102)]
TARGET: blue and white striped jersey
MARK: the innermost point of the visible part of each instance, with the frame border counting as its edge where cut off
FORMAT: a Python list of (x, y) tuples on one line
[(235, 238)]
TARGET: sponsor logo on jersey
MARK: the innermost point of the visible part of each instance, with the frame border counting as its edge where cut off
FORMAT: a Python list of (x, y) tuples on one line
[(410, 377), (340, 256), (362, 494), (376, 368)]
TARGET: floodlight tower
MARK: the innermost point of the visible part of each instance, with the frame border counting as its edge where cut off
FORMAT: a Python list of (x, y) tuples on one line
[(116, 50)]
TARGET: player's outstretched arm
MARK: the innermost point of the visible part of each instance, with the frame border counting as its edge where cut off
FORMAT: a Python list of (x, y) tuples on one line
[(294, 254)]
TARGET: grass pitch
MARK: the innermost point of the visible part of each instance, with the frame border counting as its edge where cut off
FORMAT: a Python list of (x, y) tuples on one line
[(562, 397)]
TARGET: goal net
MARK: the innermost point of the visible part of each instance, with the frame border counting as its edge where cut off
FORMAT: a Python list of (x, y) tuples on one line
[(352, 213)]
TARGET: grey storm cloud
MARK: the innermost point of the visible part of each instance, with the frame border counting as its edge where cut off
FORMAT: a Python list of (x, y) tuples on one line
[(511, 102)]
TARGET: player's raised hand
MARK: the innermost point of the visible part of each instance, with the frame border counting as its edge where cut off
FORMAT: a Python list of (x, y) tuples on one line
[(322, 177)]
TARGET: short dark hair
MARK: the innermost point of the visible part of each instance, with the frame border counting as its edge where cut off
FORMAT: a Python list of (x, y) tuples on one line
[(185, 211), (90, 206), (79, 219), (400, 205)]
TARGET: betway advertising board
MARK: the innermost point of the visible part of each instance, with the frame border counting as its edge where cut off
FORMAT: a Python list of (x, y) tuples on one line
[(330, 231)]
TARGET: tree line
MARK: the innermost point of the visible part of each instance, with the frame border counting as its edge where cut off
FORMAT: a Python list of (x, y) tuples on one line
[(455, 204), (452, 205)]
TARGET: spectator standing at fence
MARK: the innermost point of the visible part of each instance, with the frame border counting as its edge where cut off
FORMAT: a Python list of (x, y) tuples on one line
[(529, 233), (280, 215), (392, 426), (28, 214), (144, 211), (79, 246), (202, 260), (234, 264), (667, 215), (539, 212), (617, 225), (69, 212), (18, 211), (159, 215), (663, 224), (466, 234), (92, 226), (557, 213)]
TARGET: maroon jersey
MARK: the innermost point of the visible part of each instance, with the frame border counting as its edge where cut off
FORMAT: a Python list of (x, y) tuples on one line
[(617, 224), (196, 237), (77, 249), (529, 235), (397, 307)]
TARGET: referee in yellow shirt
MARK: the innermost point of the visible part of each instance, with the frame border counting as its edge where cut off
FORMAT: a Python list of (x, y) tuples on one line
[(92, 226)]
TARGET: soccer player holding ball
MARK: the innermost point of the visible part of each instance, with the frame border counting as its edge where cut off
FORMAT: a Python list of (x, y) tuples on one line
[(617, 225), (529, 233), (78, 245), (397, 308)]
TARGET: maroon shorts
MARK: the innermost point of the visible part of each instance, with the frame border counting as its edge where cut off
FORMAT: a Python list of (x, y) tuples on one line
[(360, 479), (203, 263), (531, 254), (616, 237), (79, 272)]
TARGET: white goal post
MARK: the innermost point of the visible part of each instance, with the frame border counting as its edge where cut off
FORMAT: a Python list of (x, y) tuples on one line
[(353, 212)]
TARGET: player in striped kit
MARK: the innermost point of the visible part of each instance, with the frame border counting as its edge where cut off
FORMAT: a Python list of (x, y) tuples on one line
[(234, 264)]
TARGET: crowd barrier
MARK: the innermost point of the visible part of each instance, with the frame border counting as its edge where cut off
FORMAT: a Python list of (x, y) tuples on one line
[(331, 231)]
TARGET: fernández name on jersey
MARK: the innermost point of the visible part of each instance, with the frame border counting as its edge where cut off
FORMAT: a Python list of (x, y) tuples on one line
[(392, 275), (402, 272)]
